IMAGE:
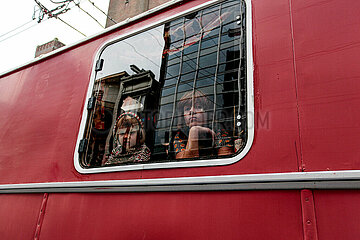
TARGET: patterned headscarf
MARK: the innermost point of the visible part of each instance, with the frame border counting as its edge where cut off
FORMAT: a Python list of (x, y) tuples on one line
[(121, 120)]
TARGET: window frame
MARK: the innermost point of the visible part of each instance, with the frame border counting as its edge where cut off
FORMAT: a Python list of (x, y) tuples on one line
[(184, 163)]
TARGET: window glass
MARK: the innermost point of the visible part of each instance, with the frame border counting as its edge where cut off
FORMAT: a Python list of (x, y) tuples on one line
[(172, 93), (171, 81), (187, 76)]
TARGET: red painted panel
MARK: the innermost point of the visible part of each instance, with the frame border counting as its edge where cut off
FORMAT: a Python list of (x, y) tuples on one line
[(18, 215), (44, 105), (327, 51), (337, 214), (181, 215)]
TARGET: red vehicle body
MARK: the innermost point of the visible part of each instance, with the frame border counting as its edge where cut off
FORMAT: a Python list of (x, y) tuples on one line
[(299, 179)]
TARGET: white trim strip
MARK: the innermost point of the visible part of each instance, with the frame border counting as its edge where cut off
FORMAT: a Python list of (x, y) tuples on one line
[(329, 185), (293, 180)]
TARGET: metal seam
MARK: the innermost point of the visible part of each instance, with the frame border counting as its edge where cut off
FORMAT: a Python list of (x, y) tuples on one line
[(308, 215), (302, 166), (41, 216)]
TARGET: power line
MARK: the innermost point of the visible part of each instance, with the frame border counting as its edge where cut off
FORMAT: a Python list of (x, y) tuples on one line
[(43, 11), (18, 32), (71, 26), (63, 8), (78, 5), (56, 12), (103, 12), (66, 2), (55, 2), (15, 29)]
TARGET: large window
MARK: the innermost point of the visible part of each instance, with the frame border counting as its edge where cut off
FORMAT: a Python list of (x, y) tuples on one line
[(175, 92)]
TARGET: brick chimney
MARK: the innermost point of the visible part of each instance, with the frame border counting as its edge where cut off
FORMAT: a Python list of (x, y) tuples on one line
[(48, 47)]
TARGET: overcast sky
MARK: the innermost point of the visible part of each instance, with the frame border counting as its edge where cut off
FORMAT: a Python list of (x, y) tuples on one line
[(18, 47)]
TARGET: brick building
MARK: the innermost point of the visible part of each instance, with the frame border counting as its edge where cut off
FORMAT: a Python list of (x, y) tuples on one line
[(120, 10), (48, 47)]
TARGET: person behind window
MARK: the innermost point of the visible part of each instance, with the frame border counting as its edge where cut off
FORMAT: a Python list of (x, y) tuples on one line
[(128, 141), (195, 139)]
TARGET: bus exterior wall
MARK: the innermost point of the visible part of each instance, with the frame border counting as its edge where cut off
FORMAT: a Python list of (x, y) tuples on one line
[(299, 180)]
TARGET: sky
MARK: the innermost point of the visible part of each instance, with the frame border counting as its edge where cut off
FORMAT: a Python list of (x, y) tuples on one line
[(20, 35)]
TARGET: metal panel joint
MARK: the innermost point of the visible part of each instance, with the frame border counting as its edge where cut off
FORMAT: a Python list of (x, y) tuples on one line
[(308, 215)]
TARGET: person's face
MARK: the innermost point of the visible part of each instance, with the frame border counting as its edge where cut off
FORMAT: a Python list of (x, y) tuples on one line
[(130, 134), (194, 115)]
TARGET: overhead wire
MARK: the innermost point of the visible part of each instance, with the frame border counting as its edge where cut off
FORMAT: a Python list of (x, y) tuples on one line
[(2, 40), (78, 5), (108, 17), (40, 8), (64, 1), (52, 13), (43, 11), (15, 28), (70, 26)]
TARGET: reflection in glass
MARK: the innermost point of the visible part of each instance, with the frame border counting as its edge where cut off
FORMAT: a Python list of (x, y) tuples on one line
[(173, 92), (144, 50)]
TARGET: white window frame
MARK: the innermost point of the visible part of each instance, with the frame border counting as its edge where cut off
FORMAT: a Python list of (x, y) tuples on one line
[(184, 163)]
